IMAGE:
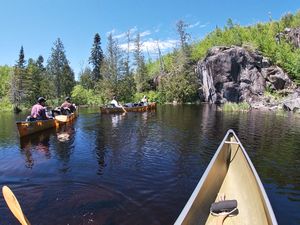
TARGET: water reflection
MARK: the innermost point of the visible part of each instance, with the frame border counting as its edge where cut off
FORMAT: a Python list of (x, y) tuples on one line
[(117, 118), (38, 143), (64, 146), (140, 168)]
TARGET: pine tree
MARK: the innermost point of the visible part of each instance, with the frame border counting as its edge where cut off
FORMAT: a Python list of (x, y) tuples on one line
[(180, 84), (69, 80), (141, 74), (17, 81), (59, 70), (161, 60), (85, 78), (96, 58), (115, 61), (112, 59), (183, 36), (126, 63)]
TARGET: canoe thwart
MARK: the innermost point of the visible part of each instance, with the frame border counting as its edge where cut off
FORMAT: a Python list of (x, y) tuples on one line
[(231, 142)]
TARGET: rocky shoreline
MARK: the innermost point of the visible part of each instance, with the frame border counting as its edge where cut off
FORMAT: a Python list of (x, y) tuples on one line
[(241, 74)]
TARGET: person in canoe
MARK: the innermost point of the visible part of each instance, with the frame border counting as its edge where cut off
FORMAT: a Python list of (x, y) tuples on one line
[(144, 101), (115, 103), (67, 107), (38, 111)]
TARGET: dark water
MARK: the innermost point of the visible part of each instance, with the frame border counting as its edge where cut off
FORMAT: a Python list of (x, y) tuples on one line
[(140, 168)]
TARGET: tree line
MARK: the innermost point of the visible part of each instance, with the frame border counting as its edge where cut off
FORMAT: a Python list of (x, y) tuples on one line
[(127, 75)]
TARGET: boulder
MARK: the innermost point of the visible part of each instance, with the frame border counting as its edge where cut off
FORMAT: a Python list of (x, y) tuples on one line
[(292, 105), (292, 35), (237, 74)]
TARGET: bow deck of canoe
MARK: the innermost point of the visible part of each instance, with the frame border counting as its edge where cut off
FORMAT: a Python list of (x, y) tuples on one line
[(232, 173), (66, 118), (150, 106)]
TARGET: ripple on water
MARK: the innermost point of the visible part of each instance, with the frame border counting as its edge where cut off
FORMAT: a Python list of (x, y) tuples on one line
[(76, 203)]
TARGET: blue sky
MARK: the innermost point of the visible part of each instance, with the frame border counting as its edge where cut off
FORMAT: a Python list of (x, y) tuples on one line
[(36, 24)]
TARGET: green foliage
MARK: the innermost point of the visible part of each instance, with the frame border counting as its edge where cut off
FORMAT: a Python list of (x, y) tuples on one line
[(58, 67), (106, 89), (79, 95), (5, 74), (5, 104), (96, 58), (178, 87), (180, 82), (19, 83), (35, 74), (141, 74), (82, 96), (85, 78), (273, 95), (261, 37), (23, 83), (153, 96), (126, 88)]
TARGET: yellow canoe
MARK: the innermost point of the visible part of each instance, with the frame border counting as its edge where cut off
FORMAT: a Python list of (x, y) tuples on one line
[(29, 127), (107, 110), (232, 173), (66, 118)]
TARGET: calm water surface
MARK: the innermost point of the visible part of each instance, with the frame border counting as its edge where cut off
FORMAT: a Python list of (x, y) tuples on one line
[(140, 168)]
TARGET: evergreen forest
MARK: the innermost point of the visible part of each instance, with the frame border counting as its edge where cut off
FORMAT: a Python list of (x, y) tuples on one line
[(129, 75)]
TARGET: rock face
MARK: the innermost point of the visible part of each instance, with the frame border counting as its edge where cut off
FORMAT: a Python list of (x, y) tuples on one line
[(236, 74)]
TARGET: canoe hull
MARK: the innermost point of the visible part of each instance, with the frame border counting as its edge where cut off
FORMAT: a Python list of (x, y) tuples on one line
[(107, 110), (26, 128), (230, 172)]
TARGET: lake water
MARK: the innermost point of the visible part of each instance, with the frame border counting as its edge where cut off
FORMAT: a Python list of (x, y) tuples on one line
[(141, 168)]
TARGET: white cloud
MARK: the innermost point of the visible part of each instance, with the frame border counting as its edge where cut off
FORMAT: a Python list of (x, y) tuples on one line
[(110, 32), (194, 25), (198, 24), (151, 46), (125, 46), (119, 36), (145, 33), (123, 35), (204, 25)]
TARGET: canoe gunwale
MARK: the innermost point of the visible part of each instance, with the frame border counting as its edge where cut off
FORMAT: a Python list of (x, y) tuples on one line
[(263, 192), (181, 218)]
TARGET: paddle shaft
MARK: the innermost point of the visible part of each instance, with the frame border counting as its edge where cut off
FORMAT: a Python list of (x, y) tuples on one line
[(123, 108)]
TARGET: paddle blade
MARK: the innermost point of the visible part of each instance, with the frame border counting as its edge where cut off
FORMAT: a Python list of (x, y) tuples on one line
[(14, 205)]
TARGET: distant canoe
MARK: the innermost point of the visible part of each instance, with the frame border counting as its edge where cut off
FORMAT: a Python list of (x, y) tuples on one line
[(66, 118), (230, 172), (150, 106), (26, 128)]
